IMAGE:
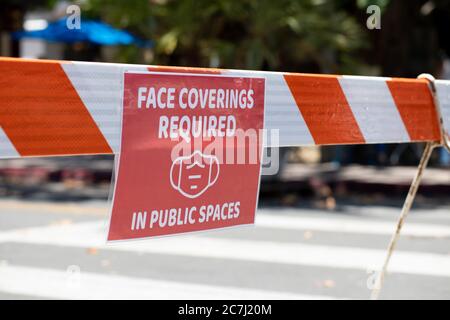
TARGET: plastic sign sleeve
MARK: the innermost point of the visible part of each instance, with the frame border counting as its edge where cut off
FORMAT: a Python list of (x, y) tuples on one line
[(190, 157)]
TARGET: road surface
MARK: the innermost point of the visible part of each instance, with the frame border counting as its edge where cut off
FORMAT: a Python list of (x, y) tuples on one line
[(57, 250)]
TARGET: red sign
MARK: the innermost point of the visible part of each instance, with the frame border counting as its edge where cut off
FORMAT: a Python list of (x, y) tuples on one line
[(190, 155)]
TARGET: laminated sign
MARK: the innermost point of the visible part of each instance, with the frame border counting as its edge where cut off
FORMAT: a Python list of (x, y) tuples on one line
[(190, 156)]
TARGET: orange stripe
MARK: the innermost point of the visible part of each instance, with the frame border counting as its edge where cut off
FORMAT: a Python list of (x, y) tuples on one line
[(41, 112), (325, 109), (416, 107)]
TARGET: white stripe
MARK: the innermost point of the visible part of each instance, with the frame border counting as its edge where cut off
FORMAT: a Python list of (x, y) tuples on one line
[(281, 111), (345, 225), (443, 94), (86, 235), (7, 149), (374, 109), (100, 87), (50, 283)]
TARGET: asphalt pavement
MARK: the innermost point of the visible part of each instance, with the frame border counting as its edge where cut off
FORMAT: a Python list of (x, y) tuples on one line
[(57, 250)]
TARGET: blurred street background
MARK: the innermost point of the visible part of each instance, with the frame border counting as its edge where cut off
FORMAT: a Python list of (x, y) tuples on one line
[(323, 222)]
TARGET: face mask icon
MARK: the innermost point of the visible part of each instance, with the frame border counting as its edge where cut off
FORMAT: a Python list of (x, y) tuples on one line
[(193, 175)]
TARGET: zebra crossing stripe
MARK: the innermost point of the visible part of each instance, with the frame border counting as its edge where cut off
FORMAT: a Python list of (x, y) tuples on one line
[(57, 284), (90, 234)]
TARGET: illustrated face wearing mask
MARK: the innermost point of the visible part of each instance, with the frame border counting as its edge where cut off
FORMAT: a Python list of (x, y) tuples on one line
[(193, 175)]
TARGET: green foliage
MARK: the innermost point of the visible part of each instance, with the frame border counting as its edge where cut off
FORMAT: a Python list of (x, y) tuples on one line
[(289, 35)]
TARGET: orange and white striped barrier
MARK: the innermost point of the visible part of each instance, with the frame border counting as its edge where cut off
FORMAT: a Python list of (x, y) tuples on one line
[(72, 108)]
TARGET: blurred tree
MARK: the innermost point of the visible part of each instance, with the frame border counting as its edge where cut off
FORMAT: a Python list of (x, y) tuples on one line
[(409, 43), (284, 35), (11, 19), (413, 37)]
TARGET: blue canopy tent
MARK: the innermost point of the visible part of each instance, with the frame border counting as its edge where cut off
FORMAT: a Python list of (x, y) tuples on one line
[(91, 31)]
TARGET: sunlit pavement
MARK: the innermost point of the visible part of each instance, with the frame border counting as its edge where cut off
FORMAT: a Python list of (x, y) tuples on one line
[(57, 250)]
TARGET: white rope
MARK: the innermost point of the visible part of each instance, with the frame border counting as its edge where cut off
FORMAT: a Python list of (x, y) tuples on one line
[(405, 210), (444, 142)]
